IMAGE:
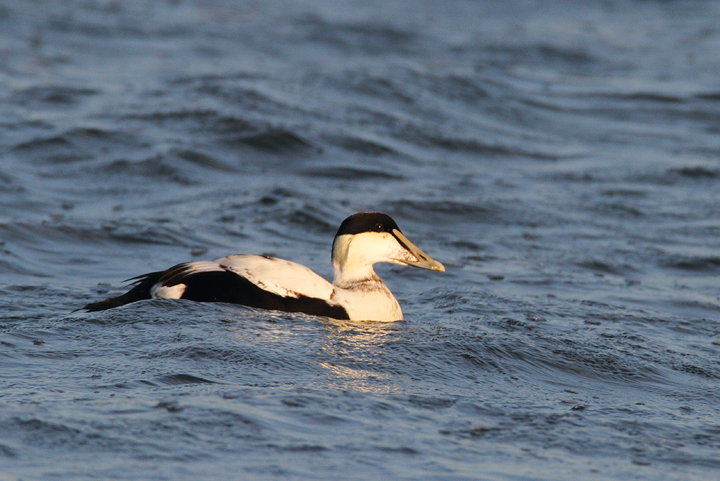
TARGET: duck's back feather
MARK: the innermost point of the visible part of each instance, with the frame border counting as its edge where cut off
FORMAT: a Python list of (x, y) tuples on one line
[(278, 276)]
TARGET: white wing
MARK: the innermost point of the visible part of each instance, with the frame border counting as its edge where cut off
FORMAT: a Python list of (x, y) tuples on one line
[(281, 277)]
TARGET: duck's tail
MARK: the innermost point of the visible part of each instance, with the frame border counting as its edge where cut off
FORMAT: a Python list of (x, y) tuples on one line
[(141, 290)]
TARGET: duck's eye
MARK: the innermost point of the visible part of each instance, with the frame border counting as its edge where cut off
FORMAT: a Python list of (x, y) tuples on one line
[(378, 228)]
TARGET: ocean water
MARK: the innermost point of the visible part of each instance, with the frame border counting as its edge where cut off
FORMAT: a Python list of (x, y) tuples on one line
[(561, 158)]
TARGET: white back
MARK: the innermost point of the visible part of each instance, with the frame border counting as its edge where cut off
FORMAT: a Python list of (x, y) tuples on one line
[(281, 277)]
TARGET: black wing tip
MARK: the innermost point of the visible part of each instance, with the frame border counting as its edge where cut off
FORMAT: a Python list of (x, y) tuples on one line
[(175, 275)]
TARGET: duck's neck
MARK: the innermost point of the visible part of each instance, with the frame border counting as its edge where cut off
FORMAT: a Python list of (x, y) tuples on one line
[(357, 288), (352, 264), (364, 295), (354, 276)]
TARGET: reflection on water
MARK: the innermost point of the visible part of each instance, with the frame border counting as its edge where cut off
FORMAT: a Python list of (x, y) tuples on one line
[(353, 353), (562, 162), (359, 380)]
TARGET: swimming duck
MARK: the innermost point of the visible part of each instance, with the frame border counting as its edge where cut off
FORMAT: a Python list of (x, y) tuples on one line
[(357, 293)]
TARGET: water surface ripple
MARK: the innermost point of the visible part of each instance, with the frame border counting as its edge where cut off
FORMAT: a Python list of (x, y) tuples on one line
[(562, 161)]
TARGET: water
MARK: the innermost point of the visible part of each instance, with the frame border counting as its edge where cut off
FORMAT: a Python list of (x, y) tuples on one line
[(561, 159)]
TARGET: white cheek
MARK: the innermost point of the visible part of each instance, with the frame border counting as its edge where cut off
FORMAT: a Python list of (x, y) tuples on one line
[(375, 247), (341, 248), (357, 252)]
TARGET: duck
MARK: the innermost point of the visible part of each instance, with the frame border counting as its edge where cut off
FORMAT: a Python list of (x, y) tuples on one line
[(265, 282)]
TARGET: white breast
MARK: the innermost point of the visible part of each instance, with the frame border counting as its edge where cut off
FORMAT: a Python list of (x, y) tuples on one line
[(371, 301)]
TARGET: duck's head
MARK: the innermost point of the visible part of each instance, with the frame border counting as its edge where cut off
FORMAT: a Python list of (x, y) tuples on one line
[(369, 237)]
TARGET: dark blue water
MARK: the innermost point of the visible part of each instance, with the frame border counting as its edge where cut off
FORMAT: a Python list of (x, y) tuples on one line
[(562, 159)]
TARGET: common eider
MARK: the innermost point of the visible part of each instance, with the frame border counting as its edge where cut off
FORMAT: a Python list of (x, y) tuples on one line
[(357, 293)]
